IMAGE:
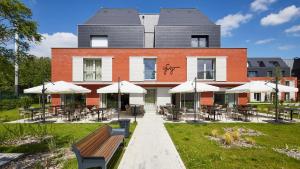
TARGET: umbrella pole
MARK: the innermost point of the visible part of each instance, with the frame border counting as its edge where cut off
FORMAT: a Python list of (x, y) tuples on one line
[(195, 99), (43, 102), (119, 98)]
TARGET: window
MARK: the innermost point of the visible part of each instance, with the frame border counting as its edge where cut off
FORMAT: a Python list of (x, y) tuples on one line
[(287, 83), (199, 41), (287, 96), (252, 73), (206, 69), (99, 41), (269, 73), (92, 69), (150, 69), (282, 73), (257, 97), (261, 64), (275, 63)]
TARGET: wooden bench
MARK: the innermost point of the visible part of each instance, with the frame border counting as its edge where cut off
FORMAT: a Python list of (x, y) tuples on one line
[(96, 149)]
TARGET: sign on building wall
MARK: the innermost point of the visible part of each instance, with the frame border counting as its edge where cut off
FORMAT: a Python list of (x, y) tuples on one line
[(169, 69)]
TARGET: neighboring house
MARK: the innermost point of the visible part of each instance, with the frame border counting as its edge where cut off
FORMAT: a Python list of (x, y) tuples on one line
[(155, 51), (294, 65), (264, 69)]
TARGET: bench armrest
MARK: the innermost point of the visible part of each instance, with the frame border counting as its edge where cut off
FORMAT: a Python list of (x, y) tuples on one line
[(119, 131)]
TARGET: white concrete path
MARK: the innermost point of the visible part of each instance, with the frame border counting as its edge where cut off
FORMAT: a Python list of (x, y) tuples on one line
[(151, 147)]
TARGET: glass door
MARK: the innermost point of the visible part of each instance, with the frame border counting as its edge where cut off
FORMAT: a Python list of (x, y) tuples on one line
[(150, 99)]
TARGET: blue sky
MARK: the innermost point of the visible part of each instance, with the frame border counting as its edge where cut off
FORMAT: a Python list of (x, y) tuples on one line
[(268, 28)]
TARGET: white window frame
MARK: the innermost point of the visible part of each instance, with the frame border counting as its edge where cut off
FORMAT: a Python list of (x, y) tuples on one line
[(257, 97), (204, 69), (93, 71), (99, 39)]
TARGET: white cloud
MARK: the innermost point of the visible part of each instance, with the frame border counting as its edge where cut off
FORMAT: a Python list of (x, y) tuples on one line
[(293, 29), (286, 47), (261, 5), (283, 16), (264, 41), (58, 39), (231, 22)]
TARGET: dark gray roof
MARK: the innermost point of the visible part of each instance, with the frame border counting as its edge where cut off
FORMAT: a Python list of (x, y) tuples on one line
[(254, 62), (115, 16), (183, 17)]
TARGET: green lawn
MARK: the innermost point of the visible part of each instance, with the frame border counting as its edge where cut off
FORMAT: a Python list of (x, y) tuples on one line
[(11, 115), (197, 151), (63, 136)]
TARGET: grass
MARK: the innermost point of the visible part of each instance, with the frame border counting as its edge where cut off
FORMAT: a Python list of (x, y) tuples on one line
[(13, 114), (63, 136), (197, 151)]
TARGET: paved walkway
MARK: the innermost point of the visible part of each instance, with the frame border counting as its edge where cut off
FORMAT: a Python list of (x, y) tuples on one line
[(151, 147)]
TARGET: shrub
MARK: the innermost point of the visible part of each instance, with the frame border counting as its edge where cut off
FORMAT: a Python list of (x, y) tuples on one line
[(25, 101), (7, 104), (250, 140), (227, 138), (214, 133), (235, 135)]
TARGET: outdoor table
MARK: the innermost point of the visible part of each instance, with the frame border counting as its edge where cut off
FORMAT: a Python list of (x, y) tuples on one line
[(33, 110), (97, 110)]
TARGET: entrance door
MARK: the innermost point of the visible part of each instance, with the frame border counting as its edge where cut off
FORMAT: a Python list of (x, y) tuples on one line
[(150, 100)]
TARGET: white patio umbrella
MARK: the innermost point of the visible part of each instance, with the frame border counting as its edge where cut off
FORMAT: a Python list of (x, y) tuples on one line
[(59, 87), (189, 87), (194, 87), (261, 87), (251, 87), (122, 87)]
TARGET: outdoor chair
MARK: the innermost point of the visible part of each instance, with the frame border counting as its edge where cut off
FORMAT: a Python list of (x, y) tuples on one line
[(168, 115), (22, 112), (38, 114)]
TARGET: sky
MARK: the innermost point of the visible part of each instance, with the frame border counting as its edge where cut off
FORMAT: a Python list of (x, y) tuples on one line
[(268, 28)]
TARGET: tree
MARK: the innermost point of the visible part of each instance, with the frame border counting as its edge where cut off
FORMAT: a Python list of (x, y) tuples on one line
[(16, 26), (15, 19), (34, 70)]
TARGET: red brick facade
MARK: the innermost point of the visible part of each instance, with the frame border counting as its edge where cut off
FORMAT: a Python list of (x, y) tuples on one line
[(236, 66)]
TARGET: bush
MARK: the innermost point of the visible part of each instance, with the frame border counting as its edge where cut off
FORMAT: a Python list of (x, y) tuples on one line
[(227, 138), (214, 133), (25, 102), (235, 135), (7, 104), (250, 140)]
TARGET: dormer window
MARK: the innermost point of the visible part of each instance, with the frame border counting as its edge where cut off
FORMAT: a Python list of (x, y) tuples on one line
[(275, 63), (261, 64), (199, 41), (99, 41)]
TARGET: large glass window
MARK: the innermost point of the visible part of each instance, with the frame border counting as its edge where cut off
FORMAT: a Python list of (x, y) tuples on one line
[(92, 69), (269, 73), (252, 73), (199, 41), (206, 69), (150, 69), (257, 97)]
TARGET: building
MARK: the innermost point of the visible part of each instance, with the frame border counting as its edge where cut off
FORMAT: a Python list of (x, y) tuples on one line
[(294, 65), (265, 69), (155, 51)]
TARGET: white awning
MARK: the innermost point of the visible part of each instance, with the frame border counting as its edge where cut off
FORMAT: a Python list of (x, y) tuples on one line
[(125, 87), (59, 87), (189, 87)]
